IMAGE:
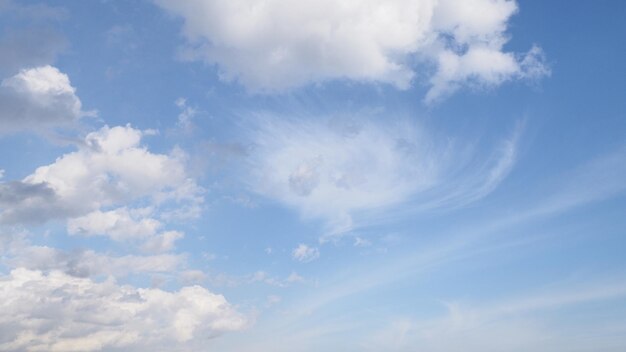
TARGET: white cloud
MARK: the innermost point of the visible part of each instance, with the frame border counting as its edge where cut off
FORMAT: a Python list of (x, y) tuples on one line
[(58, 312), (18, 251), (305, 254), (329, 171), (276, 45), (38, 99), (110, 168), (119, 224), (482, 66), (347, 174), (125, 224)]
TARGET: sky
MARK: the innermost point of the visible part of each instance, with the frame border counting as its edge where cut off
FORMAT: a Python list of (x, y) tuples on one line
[(271, 175)]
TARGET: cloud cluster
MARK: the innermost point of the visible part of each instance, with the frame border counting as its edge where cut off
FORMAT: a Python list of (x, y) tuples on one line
[(276, 45), (38, 99), (58, 312), (111, 167)]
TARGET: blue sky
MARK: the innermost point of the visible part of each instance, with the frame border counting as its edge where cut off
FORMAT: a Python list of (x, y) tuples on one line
[(398, 175)]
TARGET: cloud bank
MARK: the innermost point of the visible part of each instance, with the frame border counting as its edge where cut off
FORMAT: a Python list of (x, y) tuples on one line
[(58, 312)]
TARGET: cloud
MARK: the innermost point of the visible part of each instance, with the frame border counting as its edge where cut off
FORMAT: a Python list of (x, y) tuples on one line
[(110, 167), (127, 225), (327, 170), (38, 99), (305, 254), (347, 173), (186, 116), (482, 67), (276, 45), (519, 324), (88, 263), (58, 312)]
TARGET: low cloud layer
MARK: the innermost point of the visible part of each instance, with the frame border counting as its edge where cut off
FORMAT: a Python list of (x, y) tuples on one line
[(276, 45), (58, 312)]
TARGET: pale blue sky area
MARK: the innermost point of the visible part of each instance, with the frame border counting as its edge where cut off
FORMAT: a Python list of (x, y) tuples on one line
[(246, 175)]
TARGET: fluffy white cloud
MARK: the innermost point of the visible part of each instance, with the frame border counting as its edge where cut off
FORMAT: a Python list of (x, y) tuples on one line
[(344, 172), (119, 224), (58, 312), (38, 99), (123, 224), (111, 167), (275, 44), (304, 253)]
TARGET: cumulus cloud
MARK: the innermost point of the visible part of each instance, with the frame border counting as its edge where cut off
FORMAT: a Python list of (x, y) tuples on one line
[(38, 99), (58, 312), (277, 45), (346, 173), (119, 224), (111, 167), (304, 253), (128, 225)]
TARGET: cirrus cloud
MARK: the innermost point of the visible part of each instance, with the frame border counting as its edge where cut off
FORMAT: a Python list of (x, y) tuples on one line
[(349, 173)]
